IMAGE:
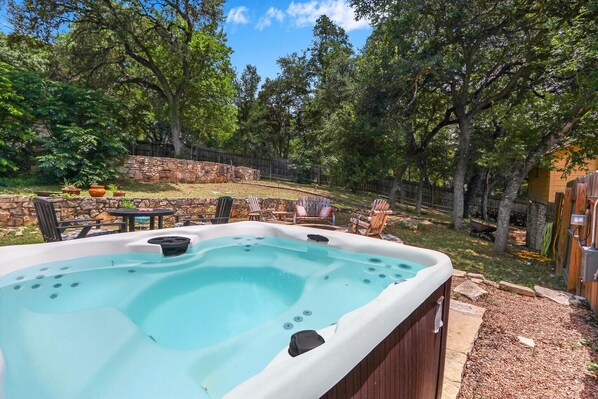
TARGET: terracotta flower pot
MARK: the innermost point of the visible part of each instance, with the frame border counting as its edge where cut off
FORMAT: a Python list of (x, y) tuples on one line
[(118, 193), (97, 190)]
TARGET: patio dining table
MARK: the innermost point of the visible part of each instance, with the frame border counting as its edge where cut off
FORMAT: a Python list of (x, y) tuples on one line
[(129, 216)]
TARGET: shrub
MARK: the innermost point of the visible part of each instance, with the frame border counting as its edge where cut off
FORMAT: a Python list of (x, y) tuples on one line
[(85, 140)]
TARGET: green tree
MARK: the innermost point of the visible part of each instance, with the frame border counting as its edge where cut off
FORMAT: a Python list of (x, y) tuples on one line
[(403, 107), (479, 52), (331, 67), (249, 136), (160, 46), (16, 128), (560, 111), (284, 98), (85, 140)]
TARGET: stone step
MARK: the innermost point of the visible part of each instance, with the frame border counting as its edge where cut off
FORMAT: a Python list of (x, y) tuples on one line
[(464, 324)]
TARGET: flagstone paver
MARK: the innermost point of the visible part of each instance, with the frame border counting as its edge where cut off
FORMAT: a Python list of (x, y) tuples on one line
[(553, 295), (471, 290), (464, 323), (519, 289)]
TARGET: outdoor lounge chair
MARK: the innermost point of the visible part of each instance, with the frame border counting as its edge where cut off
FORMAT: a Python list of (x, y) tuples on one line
[(222, 214), (257, 213), (314, 210), (370, 226), (377, 205), (55, 230)]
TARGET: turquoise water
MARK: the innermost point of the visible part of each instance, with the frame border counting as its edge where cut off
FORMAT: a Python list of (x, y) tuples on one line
[(141, 326)]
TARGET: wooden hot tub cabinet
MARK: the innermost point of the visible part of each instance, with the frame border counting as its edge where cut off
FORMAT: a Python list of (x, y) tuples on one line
[(408, 364)]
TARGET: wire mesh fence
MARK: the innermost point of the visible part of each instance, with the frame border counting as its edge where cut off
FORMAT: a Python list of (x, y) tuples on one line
[(283, 169)]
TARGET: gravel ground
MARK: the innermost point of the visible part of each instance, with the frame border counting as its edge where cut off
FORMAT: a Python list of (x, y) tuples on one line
[(500, 367)]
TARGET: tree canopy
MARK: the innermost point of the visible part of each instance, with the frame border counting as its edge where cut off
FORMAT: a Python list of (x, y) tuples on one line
[(174, 49), (468, 95)]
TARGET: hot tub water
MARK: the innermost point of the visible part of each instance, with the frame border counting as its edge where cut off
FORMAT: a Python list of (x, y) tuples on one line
[(141, 325)]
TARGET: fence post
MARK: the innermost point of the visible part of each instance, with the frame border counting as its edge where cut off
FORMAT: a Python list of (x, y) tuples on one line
[(574, 283)]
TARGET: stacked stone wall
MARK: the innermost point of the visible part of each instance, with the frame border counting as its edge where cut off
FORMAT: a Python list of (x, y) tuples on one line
[(18, 210), (172, 170)]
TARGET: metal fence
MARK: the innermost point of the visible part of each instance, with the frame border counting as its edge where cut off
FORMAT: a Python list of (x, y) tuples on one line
[(283, 169), (442, 198)]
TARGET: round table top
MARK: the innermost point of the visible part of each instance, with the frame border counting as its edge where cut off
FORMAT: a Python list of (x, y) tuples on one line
[(141, 212)]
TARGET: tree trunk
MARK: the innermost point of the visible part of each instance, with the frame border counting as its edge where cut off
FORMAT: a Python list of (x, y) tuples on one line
[(176, 128), (460, 171), (420, 186), (473, 188), (396, 184), (504, 210), (485, 194), (420, 194)]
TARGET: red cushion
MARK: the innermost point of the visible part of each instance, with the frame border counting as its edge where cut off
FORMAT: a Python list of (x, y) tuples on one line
[(301, 212), (326, 212)]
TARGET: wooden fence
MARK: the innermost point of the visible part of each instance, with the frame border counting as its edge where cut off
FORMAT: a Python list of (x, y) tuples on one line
[(579, 198), (283, 169)]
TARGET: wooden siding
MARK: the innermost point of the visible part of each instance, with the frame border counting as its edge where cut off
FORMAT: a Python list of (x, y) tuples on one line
[(408, 364), (543, 184), (558, 184), (539, 185)]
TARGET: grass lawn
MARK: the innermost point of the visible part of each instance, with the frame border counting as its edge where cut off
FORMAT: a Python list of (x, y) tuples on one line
[(467, 253), (262, 189), (168, 190)]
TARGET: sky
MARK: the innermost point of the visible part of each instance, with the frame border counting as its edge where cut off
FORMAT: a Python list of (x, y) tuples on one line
[(260, 32)]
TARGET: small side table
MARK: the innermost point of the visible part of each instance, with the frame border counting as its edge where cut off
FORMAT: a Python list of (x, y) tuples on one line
[(282, 215), (129, 215)]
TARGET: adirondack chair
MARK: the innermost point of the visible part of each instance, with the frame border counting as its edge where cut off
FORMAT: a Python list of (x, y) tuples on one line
[(257, 213), (222, 214), (371, 226), (371, 223), (377, 205), (55, 230), (313, 207)]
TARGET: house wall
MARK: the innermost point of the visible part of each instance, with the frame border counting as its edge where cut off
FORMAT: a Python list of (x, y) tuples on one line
[(538, 184), (558, 184), (543, 184)]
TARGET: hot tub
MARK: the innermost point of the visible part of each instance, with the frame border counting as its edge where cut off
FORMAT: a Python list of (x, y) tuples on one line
[(112, 317)]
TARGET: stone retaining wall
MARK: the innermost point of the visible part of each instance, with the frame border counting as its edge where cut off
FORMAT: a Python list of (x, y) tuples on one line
[(171, 170), (18, 210)]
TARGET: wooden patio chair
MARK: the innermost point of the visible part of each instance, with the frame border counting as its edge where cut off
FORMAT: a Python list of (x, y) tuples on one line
[(257, 213), (377, 205), (370, 226), (314, 207), (55, 230), (220, 216)]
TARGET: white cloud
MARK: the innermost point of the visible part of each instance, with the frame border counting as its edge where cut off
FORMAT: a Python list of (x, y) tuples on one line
[(339, 11), (238, 15), (273, 13)]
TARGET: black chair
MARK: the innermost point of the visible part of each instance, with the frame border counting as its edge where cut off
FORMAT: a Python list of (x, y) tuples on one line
[(222, 214), (55, 230)]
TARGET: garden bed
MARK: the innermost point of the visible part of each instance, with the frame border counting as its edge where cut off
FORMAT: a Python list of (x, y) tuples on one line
[(500, 367)]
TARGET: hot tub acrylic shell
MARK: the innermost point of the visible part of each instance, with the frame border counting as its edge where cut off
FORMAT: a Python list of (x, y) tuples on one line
[(357, 338)]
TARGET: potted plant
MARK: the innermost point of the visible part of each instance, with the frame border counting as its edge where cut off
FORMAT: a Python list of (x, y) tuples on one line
[(70, 188), (97, 190), (115, 191)]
